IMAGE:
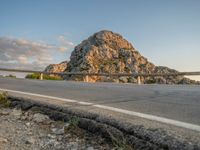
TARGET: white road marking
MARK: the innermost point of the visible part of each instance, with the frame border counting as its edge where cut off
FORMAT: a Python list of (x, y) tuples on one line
[(39, 95), (85, 103), (132, 113), (154, 118)]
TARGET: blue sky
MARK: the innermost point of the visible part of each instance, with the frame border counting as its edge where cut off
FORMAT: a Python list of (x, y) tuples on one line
[(166, 32)]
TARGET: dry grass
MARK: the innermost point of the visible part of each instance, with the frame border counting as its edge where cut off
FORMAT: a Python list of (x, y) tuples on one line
[(4, 102)]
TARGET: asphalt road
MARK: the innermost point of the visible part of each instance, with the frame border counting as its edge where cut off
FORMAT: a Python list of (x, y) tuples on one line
[(177, 102)]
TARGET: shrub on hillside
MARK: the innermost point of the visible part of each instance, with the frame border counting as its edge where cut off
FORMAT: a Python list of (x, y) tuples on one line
[(11, 76), (45, 77), (150, 81)]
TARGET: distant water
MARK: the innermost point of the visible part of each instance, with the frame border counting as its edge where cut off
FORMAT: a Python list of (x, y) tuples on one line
[(17, 74)]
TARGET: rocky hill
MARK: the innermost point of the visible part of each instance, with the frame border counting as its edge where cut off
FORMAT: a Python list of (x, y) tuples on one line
[(57, 67), (109, 52)]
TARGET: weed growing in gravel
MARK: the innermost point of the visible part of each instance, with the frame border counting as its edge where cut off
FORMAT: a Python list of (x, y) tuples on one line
[(120, 145), (4, 102), (73, 123), (73, 127)]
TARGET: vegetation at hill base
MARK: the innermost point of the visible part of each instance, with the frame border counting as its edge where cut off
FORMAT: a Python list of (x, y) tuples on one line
[(11, 76), (45, 77)]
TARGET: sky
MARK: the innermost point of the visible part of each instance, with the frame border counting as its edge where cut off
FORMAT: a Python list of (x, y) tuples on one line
[(36, 33)]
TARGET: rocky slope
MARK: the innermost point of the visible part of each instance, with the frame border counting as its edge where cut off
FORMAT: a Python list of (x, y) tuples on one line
[(57, 67), (109, 52)]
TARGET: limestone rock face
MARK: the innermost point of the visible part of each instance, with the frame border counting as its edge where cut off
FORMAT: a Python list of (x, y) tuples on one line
[(57, 67), (109, 52)]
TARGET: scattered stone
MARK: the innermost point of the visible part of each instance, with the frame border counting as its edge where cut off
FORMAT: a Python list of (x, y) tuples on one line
[(30, 133), (51, 136), (66, 126), (123, 79), (28, 124), (59, 138), (89, 148), (36, 133), (17, 113), (40, 118), (58, 131), (29, 141), (3, 140), (52, 125), (26, 105), (73, 145), (4, 112), (24, 117)]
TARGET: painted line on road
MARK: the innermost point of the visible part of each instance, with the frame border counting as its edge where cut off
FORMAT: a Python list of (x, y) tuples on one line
[(132, 113), (39, 95), (154, 118)]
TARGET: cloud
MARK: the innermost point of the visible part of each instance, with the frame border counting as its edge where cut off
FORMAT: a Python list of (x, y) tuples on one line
[(62, 49), (22, 59), (24, 54), (66, 44)]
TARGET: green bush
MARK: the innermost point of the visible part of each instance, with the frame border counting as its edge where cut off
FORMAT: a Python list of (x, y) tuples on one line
[(45, 77), (4, 99), (151, 81), (11, 76), (142, 65), (33, 76)]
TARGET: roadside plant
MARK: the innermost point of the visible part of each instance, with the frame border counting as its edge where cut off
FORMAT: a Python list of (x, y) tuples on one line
[(45, 77), (73, 127), (4, 102), (11, 76)]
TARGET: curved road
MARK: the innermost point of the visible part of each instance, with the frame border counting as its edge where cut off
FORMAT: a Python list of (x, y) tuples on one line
[(176, 102)]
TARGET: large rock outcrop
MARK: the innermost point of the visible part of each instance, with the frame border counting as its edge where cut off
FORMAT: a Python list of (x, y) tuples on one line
[(108, 52), (57, 67)]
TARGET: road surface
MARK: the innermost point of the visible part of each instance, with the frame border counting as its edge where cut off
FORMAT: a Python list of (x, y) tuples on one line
[(179, 103)]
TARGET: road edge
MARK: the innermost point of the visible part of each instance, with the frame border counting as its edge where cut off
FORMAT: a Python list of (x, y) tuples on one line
[(112, 129)]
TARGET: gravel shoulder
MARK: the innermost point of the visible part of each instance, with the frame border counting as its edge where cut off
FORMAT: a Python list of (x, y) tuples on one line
[(83, 128), (29, 130)]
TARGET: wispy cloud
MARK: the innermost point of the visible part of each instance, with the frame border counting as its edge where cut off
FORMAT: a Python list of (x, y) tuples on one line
[(24, 53), (66, 44)]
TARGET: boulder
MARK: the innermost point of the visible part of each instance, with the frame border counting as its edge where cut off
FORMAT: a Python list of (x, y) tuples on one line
[(57, 67), (40, 118), (123, 79)]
